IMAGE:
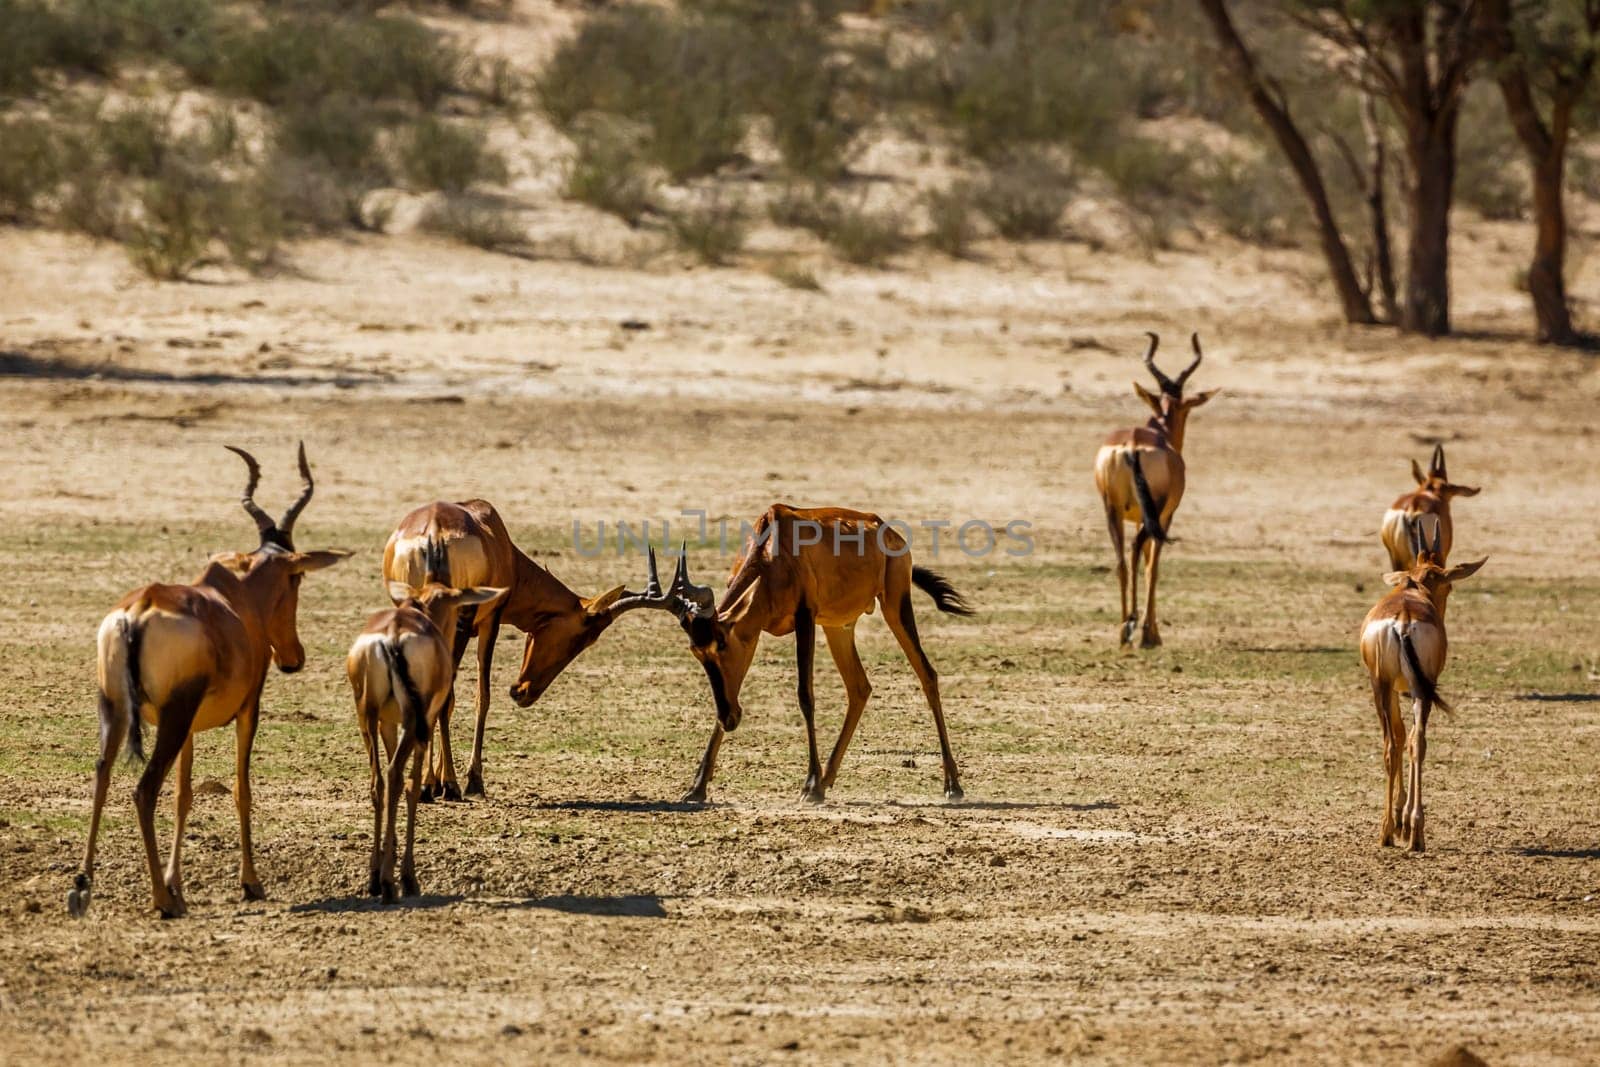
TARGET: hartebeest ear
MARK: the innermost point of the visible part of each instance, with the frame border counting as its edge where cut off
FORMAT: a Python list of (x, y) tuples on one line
[(1396, 577), (306, 562), (1465, 570), (1416, 472), (400, 592), (1200, 398), (481, 594), (1148, 397), (600, 605), (1463, 490)]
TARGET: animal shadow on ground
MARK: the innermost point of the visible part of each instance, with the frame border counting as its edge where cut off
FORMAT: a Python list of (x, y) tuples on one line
[(630, 905), (1562, 698), (1541, 852)]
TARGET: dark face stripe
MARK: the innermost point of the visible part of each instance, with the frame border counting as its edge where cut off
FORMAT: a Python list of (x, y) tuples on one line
[(719, 691)]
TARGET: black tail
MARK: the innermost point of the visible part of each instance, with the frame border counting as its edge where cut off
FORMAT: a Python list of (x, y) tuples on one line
[(133, 689), (413, 709), (1417, 679), (945, 597), (1149, 510)]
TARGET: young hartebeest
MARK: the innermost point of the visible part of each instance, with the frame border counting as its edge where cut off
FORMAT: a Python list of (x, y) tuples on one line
[(1403, 647), (189, 658), (1140, 476), (401, 668), (1427, 508), (466, 544), (803, 568)]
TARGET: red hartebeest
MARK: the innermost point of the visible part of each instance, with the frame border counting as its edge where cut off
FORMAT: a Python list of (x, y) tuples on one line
[(1403, 647), (189, 658), (466, 544), (401, 668), (1426, 509), (1140, 476), (803, 568)]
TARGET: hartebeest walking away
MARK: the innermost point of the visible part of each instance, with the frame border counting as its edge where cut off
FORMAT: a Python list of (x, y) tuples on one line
[(803, 568), (1425, 510), (467, 544), (401, 668), (1140, 476), (190, 658), (1403, 646)]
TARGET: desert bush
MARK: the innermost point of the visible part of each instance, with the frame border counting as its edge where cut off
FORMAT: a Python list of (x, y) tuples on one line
[(134, 140), (30, 165), (475, 222), (713, 228), (805, 93), (185, 212), (1024, 196), (606, 171), (794, 274), (309, 194), (1252, 199), (435, 154), (951, 228), (1490, 176), (800, 206), (863, 236), (339, 130)]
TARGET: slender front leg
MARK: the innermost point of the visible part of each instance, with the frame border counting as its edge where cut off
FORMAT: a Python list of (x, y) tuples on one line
[(113, 731), (1152, 632), (842, 646), (244, 741), (445, 785), (1419, 750), (805, 653), (708, 764), (488, 633), (184, 801)]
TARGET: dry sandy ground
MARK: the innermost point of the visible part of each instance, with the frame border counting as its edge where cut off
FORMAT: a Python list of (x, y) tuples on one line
[(1165, 857)]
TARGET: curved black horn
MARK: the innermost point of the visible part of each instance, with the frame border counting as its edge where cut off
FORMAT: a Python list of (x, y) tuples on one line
[(1150, 363), (263, 520), (287, 523), (1194, 340), (1438, 462), (1438, 536)]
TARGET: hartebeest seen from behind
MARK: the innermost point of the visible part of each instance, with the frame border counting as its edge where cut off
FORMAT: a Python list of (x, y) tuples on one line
[(189, 658), (466, 544), (1425, 509), (1403, 647), (401, 668), (803, 568), (1140, 476)]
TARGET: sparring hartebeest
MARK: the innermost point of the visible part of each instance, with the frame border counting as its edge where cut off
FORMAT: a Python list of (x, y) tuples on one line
[(1140, 476), (1403, 647), (466, 544), (1425, 509), (803, 568), (189, 658), (401, 668)]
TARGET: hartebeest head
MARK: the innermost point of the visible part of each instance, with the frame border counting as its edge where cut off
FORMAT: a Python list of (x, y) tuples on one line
[(275, 565), (1170, 406), (1428, 574), (1436, 481), (714, 636)]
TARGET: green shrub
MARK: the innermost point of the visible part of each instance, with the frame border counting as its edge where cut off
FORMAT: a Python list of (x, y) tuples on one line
[(185, 212), (339, 130), (1024, 197), (862, 236), (1252, 199), (30, 166), (950, 224), (474, 222), (310, 194), (435, 154), (606, 172), (802, 207), (713, 229), (136, 139), (794, 274)]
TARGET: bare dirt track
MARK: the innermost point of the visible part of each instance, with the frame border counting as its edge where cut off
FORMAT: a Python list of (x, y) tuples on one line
[(1165, 857)]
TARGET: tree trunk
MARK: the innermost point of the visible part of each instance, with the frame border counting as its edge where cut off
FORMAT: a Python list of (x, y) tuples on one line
[(1547, 273), (1377, 207), (1432, 150), (1353, 298)]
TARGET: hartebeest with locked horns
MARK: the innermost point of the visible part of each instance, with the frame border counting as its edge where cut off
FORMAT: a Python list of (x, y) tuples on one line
[(803, 568), (1403, 647), (1426, 509), (466, 544), (401, 668), (1140, 476), (189, 658)]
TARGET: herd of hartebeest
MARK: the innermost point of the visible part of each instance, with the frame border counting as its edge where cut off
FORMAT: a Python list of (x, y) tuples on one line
[(188, 658)]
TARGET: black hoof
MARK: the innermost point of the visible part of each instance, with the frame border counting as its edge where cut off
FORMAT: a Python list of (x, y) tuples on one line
[(374, 886), (408, 885), (425, 795), (475, 785), (696, 795), (451, 791), (389, 896), (254, 891), (812, 794), (78, 896), (953, 794)]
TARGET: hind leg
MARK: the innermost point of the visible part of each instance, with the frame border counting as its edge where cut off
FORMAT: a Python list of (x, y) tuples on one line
[(1383, 700), (1419, 750), (904, 625), (172, 733), (1151, 638), (184, 801), (1118, 543), (408, 869), (805, 648), (113, 731)]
